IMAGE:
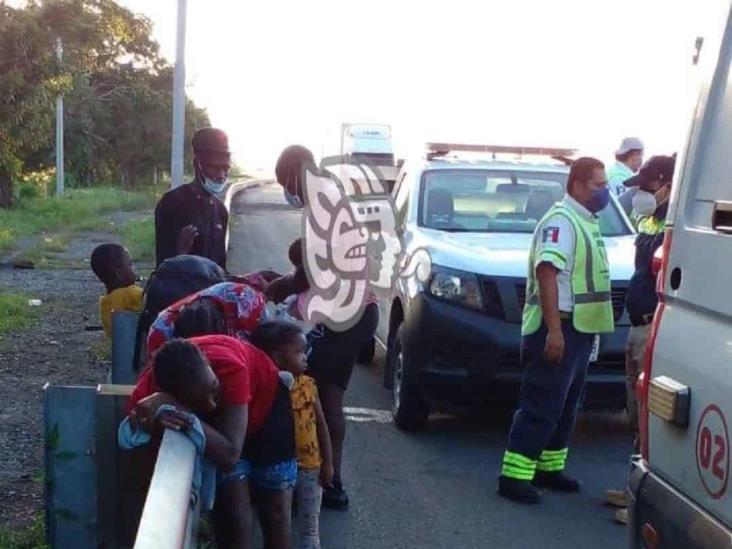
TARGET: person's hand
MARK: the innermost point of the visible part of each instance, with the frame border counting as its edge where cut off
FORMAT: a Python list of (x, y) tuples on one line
[(144, 412), (326, 475), (172, 419), (186, 237), (554, 347)]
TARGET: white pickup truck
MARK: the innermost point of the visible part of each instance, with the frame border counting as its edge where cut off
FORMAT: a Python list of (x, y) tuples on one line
[(456, 339)]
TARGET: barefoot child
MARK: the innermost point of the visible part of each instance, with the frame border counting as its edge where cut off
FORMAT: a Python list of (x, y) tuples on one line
[(113, 266), (285, 343)]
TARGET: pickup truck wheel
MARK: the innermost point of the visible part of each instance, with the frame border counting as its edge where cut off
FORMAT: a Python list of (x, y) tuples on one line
[(409, 410)]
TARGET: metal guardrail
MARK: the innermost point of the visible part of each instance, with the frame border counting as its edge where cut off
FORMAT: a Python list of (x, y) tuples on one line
[(170, 516)]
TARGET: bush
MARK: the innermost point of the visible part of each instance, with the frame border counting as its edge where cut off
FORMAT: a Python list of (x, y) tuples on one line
[(35, 185)]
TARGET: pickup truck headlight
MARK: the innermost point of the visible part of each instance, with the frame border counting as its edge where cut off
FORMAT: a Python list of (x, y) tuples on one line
[(457, 286)]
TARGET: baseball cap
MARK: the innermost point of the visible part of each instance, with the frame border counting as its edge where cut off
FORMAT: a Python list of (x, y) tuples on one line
[(629, 144), (210, 141), (658, 168)]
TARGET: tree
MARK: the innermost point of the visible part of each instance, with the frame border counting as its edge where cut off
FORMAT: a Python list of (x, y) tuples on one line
[(117, 93), (29, 80)]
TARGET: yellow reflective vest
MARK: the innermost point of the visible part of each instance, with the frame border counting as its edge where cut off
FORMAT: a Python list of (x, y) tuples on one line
[(590, 279)]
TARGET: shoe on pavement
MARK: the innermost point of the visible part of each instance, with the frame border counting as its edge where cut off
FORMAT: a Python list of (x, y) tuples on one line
[(616, 498), (520, 491), (556, 481), (335, 498), (621, 516)]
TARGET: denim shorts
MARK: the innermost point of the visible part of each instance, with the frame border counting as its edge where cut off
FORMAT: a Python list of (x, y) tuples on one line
[(275, 477)]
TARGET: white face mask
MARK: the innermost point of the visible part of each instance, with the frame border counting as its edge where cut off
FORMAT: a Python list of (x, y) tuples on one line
[(644, 203), (213, 187), (292, 199)]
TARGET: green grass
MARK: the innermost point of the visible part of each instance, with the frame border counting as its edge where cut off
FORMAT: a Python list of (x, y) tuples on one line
[(81, 210), (139, 238), (101, 351), (30, 537), (54, 242), (15, 313), (43, 256)]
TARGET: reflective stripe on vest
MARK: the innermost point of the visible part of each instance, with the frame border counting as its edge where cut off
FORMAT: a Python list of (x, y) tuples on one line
[(593, 311)]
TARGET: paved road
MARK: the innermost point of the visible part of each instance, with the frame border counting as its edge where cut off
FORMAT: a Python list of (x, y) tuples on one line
[(437, 489)]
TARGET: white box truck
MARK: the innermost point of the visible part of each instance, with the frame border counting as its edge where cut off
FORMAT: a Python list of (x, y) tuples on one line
[(370, 143)]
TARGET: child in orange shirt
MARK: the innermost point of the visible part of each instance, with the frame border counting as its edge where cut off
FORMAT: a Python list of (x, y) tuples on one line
[(285, 343), (113, 266)]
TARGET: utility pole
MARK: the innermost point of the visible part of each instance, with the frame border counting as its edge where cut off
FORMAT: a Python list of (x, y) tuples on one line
[(179, 99), (59, 128)]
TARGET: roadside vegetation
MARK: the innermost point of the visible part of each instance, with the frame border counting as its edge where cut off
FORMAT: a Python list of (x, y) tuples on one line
[(139, 237), (30, 537), (59, 218), (15, 314)]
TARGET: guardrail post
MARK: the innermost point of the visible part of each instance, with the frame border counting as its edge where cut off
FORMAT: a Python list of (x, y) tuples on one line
[(71, 469), (124, 330), (120, 486)]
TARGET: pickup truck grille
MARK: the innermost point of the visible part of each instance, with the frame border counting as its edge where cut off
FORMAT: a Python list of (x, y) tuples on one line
[(617, 295), (491, 298)]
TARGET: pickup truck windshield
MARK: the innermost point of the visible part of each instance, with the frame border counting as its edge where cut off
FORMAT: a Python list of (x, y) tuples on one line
[(504, 201)]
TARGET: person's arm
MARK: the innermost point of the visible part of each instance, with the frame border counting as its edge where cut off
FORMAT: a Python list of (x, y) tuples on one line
[(224, 443), (326, 449), (554, 247), (546, 276), (224, 440), (165, 232), (280, 289)]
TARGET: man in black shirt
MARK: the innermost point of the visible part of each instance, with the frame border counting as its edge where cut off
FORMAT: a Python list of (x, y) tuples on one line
[(191, 219)]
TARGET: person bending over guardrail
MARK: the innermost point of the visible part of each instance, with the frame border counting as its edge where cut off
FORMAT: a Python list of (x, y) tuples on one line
[(234, 389)]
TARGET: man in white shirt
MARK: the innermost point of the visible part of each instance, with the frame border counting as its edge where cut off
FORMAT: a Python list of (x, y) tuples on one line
[(628, 160)]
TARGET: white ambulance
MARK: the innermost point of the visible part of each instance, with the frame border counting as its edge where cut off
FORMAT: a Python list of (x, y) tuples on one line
[(681, 494)]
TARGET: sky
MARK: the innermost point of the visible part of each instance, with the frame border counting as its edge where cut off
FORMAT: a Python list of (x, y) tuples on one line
[(575, 73)]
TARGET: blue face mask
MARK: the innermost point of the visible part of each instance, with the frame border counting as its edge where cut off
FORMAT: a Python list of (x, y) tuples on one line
[(292, 199), (213, 187), (599, 200)]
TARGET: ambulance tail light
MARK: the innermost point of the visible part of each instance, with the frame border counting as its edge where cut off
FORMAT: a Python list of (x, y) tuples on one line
[(643, 384), (657, 262)]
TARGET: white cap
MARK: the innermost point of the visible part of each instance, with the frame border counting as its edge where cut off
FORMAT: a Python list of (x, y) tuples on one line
[(630, 144)]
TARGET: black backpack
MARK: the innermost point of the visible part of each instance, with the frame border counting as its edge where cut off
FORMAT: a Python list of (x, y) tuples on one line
[(174, 279)]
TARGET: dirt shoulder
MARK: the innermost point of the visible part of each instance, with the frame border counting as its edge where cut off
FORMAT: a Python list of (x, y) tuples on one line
[(57, 349)]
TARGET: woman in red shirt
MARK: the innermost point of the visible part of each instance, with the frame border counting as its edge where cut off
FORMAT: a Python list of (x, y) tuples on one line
[(235, 390)]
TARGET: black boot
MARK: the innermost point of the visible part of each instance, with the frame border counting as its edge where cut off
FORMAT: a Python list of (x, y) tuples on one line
[(520, 491), (556, 481), (335, 497)]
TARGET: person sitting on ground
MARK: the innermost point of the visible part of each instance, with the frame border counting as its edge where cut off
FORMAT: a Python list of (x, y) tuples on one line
[(285, 343), (235, 391), (112, 264), (238, 307)]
